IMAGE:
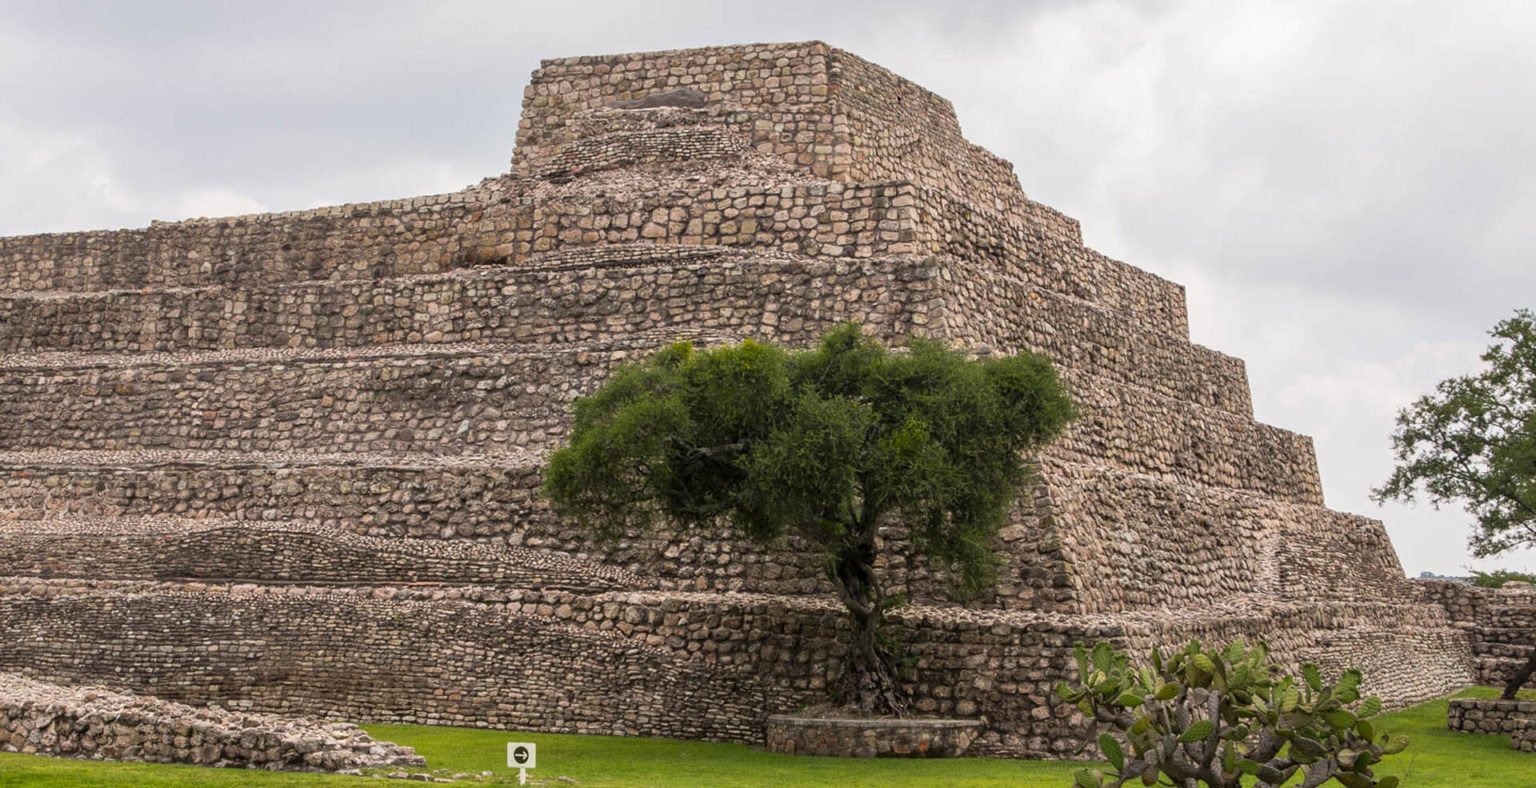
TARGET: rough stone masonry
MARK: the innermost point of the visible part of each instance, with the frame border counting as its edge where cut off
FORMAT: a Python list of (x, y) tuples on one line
[(289, 462), (93, 723)]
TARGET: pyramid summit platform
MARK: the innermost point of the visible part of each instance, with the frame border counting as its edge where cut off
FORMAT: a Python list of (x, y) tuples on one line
[(289, 462)]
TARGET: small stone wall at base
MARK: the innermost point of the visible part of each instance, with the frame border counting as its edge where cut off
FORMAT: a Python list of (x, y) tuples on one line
[(1490, 716), (85, 722), (856, 738), (1524, 737)]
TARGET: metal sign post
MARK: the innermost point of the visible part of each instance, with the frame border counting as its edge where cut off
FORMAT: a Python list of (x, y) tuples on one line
[(522, 756)]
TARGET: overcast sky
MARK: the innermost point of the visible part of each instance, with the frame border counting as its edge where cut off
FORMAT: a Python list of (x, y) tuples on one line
[(1348, 190)]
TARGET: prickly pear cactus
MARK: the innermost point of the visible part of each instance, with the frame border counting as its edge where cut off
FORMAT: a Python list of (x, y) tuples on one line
[(1218, 718)]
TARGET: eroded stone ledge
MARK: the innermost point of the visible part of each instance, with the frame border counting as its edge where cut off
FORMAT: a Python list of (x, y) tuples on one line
[(100, 724)]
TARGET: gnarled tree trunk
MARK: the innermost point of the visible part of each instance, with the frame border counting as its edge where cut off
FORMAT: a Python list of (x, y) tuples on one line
[(870, 680)]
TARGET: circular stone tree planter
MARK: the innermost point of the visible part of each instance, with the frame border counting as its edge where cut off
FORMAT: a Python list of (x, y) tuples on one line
[(865, 738), (1490, 716)]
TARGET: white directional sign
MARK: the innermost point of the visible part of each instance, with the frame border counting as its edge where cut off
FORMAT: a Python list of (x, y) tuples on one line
[(522, 755)]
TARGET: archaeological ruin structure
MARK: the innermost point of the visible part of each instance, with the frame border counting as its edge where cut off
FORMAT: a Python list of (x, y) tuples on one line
[(289, 463)]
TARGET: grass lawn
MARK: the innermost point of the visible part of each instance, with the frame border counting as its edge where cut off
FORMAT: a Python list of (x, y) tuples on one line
[(1435, 757)]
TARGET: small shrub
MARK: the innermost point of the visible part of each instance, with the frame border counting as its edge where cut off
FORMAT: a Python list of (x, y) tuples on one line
[(1215, 718)]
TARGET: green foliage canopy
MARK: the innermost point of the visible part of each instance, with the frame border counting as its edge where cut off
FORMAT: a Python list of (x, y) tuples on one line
[(821, 443), (1474, 441)]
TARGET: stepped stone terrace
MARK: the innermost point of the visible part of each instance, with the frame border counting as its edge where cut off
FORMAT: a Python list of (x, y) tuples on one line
[(288, 463)]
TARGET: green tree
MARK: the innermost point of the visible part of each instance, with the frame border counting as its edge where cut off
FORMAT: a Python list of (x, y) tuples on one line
[(1473, 441), (826, 444)]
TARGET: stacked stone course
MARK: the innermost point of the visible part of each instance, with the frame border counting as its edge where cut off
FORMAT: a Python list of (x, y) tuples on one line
[(290, 462), (1514, 718), (1500, 625), (36, 717)]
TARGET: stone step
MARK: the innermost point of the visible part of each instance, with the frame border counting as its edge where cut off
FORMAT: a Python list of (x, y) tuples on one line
[(1138, 542), (1010, 313), (383, 497), (452, 398), (1140, 431), (378, 239), (1043, 248), (417, 656), (389, 495), (575, 299), (258, 647), (516, 226), (448, 398), (1114, 529), (1495, 671), (1409, 653), (1518, 614), (1521, 637), (570, 298), (505, 220), (1036, 245), (1502, 649), (257, 551)]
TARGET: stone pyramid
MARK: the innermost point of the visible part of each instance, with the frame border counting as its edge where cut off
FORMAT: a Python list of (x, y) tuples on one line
[(289, 462)]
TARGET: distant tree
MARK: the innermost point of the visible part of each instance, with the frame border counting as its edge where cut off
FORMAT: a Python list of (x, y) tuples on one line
[(1473, 442), (1498, 577), (826, 444)]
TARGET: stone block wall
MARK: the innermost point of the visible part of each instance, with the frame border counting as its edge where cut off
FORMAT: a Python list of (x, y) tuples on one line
[(282, 552), (1041, 248), (444, 399), (773, 80), (1500, 625), (1100, 541), (1491, 717), (607, 139), (1407, 653), (372, 655), (637, 663), (1135, 542), (389, 238), (388, 496), (701, 666), (375, 525), (41, 718), (823, 219), (579, 300), (1008, 315), (897, 129)]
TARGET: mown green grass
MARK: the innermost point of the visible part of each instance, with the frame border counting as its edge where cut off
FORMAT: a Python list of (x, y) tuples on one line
[(1435, 757)]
